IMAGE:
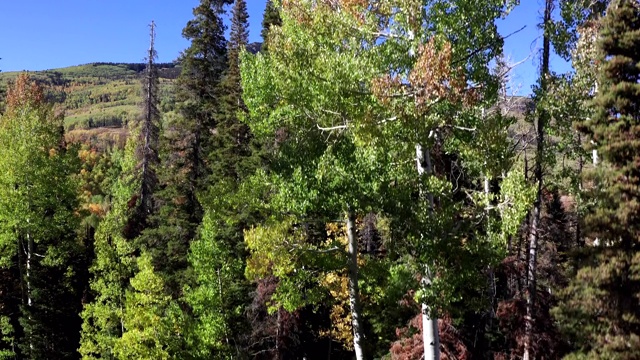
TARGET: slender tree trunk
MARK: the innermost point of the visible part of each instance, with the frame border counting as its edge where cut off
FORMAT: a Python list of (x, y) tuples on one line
[(29, 288), (534, 231), (491, 274), (354, 293), (579, 239), (430, 336)]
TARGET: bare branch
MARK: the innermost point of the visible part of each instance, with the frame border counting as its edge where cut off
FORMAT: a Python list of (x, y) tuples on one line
[(338, 127)]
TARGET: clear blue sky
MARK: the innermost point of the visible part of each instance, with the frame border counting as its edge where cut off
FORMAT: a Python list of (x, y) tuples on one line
[(47, 34)]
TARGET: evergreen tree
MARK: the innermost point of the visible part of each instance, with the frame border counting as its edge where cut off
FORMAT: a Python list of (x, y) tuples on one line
[(231, 146), (218, 256), (271, 17), (601, 310), (148, 129), (187, 143), (118, 240), (40, 255), (203, 66)]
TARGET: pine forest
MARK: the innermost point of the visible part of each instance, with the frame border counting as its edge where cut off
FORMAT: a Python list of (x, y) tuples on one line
[(362, 184)]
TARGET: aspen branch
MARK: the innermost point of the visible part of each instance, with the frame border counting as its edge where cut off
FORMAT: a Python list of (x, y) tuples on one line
[(332, 128), (462, 128)]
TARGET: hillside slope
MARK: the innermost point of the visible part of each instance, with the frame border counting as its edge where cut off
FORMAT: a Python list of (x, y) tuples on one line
[(98, 99)]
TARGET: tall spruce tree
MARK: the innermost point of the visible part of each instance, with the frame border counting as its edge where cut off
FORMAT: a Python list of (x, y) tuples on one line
[(149, 127), (187, 143), (230, 147), (203, 67), (218, 256), (118, 238), (601, 310)]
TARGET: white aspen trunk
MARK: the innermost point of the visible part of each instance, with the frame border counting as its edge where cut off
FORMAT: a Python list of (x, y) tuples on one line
[(430, 336), (492, 277), (29, 298), (354, 293), (531, 275)]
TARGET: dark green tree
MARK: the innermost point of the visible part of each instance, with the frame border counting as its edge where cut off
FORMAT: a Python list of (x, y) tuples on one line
[(149, 127), (203, 66), (230, 149), (218, 256), (600, 310), (186, 144), (270, 18)]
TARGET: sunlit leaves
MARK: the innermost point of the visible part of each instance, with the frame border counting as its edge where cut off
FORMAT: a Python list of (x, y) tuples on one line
[(272, 247), (151, 321)]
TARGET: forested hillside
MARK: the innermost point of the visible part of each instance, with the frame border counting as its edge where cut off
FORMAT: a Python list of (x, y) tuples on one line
[(363, 184), (98, 99)]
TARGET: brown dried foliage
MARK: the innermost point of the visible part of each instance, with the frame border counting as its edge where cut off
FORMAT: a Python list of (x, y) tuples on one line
[(386, 88), (432, 79), (273, 336), (433, 76), (23, 92), (410, 345), (355, 7)]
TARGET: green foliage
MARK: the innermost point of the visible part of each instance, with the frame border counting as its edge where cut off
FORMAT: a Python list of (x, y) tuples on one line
[(114, 264), (516, 198), (152, 328), (260, 158), (346, 96), (220, 293), (600, 306), (7, 339), (38, 224)]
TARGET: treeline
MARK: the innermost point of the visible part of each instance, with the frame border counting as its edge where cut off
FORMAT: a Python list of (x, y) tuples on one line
[(361, 186)]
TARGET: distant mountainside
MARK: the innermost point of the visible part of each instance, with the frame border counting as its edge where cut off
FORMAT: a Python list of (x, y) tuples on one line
[(98, 99)]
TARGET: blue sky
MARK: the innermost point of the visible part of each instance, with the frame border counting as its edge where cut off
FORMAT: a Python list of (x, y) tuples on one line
[(46, 34)]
